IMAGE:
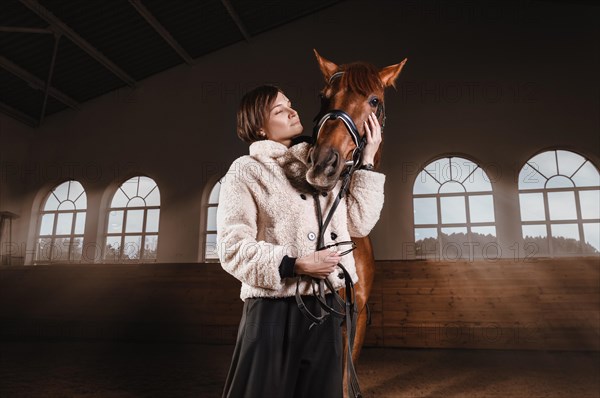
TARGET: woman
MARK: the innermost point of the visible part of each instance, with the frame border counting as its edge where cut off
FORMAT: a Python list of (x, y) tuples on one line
[(266, 238)]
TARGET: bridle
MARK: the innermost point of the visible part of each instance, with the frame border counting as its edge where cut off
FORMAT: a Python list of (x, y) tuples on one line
[(350, 311), (359, 141)]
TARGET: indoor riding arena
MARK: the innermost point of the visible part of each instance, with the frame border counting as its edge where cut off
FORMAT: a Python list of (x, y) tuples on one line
[(481, 277)]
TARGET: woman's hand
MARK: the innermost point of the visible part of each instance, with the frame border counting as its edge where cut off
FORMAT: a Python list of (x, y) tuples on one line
[(317, 264), (373, 133)]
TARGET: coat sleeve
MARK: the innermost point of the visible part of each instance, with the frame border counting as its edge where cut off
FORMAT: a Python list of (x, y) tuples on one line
[(365, 201), (255, 263)]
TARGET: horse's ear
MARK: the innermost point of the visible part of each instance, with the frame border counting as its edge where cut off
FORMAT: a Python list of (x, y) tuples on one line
[(328, 68), (389, 74)]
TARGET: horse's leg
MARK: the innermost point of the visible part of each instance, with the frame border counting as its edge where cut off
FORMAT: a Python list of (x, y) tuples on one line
[(344, 356), (365, 268)]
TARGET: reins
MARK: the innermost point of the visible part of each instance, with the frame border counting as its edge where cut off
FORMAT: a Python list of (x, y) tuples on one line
[(350, 310)]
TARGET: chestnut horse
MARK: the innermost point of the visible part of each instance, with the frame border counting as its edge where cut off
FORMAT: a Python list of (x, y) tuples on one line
[(356, 89)]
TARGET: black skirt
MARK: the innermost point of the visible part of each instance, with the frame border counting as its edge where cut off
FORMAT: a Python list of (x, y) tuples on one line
[(277, 355)]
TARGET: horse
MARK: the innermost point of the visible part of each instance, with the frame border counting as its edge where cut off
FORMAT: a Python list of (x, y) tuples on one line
[(356, 89)]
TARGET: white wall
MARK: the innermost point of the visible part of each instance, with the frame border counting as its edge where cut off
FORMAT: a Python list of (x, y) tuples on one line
[(495, 85)]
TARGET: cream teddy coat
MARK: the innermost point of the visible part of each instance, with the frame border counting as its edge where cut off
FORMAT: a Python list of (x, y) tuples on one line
[(267, 210)]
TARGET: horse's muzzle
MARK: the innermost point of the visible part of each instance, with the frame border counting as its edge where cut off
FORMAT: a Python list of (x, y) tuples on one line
[(325, 170)]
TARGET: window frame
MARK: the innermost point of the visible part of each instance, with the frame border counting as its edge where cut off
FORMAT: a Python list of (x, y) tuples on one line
[(123, 234), (548, 222), (466, 194), (53, 236), (206, 209)]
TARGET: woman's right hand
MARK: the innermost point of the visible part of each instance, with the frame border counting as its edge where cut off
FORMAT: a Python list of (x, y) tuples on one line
[(318, 264)]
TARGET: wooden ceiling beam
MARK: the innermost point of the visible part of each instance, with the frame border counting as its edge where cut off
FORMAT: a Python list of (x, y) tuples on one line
[(60, 27), (18, 115), (161, 30), (18, 29), (37, 83), (236, 18)]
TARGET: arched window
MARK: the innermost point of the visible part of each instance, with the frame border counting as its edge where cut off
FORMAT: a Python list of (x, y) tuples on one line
[(132, 232), (559, 197), (454, 211), (61, 224), (210, 235)]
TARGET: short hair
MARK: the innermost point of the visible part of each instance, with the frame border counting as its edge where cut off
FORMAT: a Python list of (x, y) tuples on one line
[(254, 111)]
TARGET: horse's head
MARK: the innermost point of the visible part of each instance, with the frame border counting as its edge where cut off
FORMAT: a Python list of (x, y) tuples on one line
[(351, 93)]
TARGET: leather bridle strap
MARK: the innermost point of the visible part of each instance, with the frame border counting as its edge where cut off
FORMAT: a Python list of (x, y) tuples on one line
[(318, 319), (359, 141), (346, 119), (351, 310)]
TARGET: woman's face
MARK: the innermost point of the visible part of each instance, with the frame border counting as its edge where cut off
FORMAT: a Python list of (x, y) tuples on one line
[(283, 122)]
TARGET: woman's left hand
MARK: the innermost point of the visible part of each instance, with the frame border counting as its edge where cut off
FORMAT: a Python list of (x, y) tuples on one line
[(373, 133)]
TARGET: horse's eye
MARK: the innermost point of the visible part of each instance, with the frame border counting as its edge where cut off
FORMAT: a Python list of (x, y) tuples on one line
[(374, 102)]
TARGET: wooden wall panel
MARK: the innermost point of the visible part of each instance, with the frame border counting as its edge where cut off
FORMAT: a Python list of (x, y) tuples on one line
[(544, 304)]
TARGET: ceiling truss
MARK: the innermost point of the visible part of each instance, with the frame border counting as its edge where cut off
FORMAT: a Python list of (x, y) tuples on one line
[(61, 30)]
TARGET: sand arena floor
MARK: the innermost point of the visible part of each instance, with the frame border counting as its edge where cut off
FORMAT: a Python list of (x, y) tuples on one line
[(127, 370)]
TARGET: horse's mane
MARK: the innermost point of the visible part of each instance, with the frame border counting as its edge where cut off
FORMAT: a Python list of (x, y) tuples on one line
[(360, 77)]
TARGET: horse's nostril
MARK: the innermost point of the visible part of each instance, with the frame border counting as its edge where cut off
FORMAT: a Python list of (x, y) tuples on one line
[(310, 155), (335, 160)]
